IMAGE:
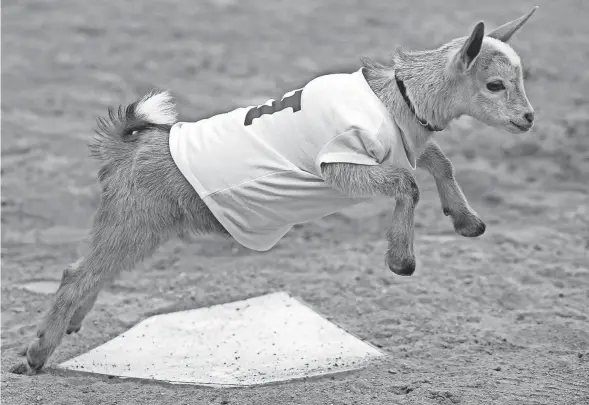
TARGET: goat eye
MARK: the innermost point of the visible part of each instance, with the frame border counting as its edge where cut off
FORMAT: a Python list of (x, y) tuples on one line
[(495, 86)]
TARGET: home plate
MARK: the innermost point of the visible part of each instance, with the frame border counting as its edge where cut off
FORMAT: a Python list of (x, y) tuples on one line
[(261, 340)]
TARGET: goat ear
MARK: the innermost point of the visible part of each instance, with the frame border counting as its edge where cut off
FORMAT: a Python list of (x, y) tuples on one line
[(505, 32), (470, 50)]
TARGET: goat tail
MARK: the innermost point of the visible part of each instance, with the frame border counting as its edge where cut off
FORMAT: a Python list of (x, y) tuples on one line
[(123, 126)]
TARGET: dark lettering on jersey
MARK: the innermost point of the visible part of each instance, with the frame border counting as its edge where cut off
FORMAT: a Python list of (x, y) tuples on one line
[(293, 101)]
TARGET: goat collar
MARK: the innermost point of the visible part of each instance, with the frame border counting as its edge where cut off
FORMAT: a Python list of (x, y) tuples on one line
[(423, 122)]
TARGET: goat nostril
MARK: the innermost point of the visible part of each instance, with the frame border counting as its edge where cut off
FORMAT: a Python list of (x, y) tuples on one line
[(529, 117)]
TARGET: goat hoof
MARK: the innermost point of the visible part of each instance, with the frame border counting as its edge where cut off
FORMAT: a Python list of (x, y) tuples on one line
[(36, 356), (470, 227), (404, 268), (35, 365), (73, 329)]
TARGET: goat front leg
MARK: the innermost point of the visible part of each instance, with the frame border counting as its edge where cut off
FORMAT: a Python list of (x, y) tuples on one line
[(454, 204), (395, 182)]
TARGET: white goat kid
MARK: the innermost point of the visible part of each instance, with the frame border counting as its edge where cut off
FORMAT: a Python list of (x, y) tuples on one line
[(145, 198)]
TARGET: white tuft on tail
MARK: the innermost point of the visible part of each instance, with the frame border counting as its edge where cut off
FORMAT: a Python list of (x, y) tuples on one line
[(157, 107)]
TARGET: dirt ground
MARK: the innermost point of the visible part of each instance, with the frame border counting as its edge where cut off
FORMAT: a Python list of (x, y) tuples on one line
[(499, 319)]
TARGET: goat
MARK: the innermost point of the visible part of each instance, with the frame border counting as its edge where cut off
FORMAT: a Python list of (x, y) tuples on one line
[(148, 198)]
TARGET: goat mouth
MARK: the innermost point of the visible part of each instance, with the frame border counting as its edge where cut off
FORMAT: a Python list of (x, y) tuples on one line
[(521, 127)]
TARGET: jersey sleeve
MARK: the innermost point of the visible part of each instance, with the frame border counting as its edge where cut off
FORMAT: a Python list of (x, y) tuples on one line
[(355, 145), (400, 149)]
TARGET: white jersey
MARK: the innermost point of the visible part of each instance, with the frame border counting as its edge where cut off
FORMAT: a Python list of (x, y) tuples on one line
[(258, 168)]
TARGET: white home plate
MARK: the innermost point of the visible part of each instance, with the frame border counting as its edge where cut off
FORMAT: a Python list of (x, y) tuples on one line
[(261, 340)]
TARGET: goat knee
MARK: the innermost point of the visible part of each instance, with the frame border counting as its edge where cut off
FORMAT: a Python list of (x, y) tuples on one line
[(406, 188), (413, 189)]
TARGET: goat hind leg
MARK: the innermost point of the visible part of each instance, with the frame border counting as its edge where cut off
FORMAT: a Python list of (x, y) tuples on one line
[(75, 287), (118, 242)]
